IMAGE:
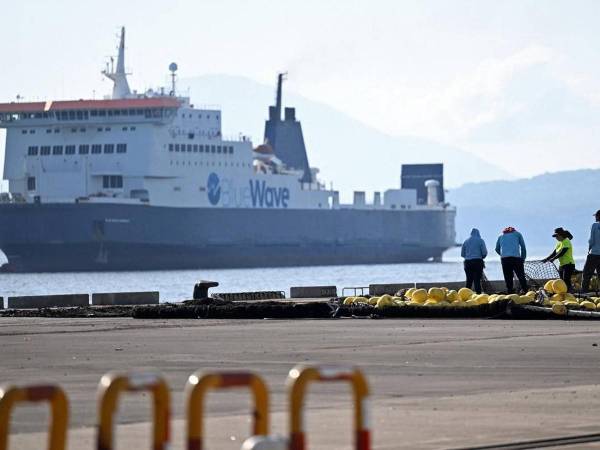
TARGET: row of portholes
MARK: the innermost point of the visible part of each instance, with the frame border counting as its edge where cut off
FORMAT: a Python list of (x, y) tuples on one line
[(210, 164)]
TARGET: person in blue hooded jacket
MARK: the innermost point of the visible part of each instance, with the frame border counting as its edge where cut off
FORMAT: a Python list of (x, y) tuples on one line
[(474, 252), (511, 248)]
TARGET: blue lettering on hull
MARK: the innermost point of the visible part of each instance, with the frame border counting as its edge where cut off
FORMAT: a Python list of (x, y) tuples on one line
[(269, 197)]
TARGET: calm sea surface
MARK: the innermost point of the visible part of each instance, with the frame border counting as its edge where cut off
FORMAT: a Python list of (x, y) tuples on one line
[(178, 284)]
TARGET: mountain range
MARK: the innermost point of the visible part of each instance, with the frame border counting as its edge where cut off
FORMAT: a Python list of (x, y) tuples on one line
[(535, 206), (350, 154)]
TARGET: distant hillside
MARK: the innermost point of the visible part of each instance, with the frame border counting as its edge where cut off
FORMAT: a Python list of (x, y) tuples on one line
[(348, 152), (535, 206)]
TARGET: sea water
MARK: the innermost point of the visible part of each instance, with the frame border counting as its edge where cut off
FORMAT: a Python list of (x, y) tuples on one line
[(179, 284)]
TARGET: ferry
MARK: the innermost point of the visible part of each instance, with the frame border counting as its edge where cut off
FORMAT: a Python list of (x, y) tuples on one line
[(147, 181)]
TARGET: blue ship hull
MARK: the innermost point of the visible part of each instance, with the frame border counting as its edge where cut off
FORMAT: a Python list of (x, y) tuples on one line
[(100, 237)]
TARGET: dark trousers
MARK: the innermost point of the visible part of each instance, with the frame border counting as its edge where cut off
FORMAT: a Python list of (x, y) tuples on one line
[(566, 273), (474, 272), (592, 264), (513, 265)]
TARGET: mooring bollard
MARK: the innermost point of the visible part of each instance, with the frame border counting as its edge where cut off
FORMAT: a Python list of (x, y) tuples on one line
[(200, 383), (201, 289), (59, 410), (112, 385), (298, 380)]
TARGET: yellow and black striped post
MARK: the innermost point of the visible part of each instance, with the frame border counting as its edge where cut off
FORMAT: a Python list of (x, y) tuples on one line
[(10, 396), (112, 385), (298, 380), (198, 386)]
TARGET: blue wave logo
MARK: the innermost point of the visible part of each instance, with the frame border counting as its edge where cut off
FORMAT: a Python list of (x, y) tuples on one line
[(214, 188)]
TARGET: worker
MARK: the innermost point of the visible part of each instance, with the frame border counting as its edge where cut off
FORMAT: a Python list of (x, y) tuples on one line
[(511, 248), (564, 253), (474, 252), (592, 262)]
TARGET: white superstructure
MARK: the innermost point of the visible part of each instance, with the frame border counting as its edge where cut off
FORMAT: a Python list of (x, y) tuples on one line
[(155, 149)]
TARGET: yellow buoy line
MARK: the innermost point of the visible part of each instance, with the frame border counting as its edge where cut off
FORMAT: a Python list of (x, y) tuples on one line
[(553, 295)]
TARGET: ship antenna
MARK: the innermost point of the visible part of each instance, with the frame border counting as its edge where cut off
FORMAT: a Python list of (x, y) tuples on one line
[(280, 77), (119, 76), (173, 68)]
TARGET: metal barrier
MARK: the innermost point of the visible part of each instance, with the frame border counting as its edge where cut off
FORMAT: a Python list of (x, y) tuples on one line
[(298, 380), (110, 388), (59, 410), (199, 384)]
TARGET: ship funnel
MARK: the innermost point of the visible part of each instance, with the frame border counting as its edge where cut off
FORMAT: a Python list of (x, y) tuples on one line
[(432, 192), (118, 76), (285, 136)]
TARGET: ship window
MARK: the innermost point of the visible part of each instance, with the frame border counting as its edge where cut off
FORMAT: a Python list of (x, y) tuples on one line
[(31, 183), (100, 129), (121, 148), (102, 113), (124, 128), (110, 112), (132, 128), (73, 130), (56, 130), (32, 151), (212, 149), (171, 146), (57, 150), (94, 113), (71, 115), (82, 130), (201, 147), (70, 150), (189, 147), (112, 182), (84, 149), (195, 148), (218, 149), (107, 129), (96, 149), (31, 131), (23, 131), (109, 148), (231, 150), (45, 150), (124, 112), (48, 130), (132, 112), (80, 115), (176, 147)]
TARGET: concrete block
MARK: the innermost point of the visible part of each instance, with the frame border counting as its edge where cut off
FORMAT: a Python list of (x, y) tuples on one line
[(313, 291), (48, 301), (391, 288), (126, 298)]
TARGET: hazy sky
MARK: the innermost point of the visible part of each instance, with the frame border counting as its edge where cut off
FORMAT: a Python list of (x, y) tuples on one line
[(516, 82)]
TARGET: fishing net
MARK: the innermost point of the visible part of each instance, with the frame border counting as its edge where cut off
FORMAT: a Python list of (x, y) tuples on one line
[(486, 286), (537, 272)]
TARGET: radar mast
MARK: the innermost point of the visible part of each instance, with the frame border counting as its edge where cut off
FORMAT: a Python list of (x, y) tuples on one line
[(118, 76)]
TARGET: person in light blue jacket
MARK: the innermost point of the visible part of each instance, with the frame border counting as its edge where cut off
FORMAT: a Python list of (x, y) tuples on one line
[(592, 262), (511, 248), (474, 252)]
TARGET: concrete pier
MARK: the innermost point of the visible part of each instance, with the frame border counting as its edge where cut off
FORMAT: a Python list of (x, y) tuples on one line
[(435, 383)]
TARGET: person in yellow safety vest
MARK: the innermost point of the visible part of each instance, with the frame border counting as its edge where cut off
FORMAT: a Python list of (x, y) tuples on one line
[(564, 253)]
